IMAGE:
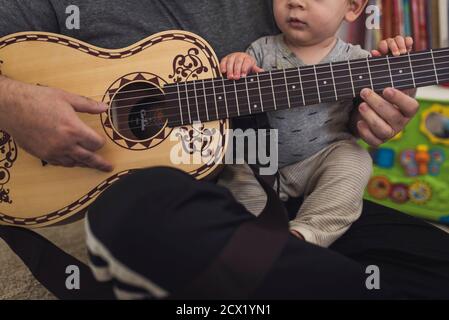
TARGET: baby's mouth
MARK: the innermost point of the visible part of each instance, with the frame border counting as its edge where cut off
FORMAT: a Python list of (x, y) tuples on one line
[(296, 23)]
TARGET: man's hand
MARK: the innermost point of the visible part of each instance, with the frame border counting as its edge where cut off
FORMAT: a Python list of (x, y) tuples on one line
[(380, 118), (43, 121)]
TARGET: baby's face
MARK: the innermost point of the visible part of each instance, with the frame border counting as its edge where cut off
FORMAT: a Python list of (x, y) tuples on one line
[(308, 22)]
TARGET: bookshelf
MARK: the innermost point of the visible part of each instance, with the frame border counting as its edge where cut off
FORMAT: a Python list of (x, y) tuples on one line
[(425, 20)]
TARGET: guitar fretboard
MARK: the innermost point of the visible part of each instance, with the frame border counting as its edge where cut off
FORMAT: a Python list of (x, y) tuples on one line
[(219, 98)]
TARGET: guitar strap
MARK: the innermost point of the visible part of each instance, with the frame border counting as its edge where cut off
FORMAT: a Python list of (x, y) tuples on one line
[(48, 264)]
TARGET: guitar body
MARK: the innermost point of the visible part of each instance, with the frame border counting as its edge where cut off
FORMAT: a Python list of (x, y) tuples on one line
[(36, 194)]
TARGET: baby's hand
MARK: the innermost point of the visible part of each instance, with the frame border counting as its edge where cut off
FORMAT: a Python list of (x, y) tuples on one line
[(239, 64), (397, 46)]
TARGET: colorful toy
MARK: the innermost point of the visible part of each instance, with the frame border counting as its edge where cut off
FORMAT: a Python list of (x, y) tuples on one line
[(420, 192), (437, 159), (384, 157), (422, 161), (379, 187), (399, 193), (418, 182), (422, 157), (408, 162), (435, 124)]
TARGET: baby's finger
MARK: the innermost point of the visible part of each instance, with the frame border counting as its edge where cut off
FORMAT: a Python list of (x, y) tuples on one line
[(238, 67), (247, 66), (230, 67), (376, 53), (257, 69), (409, 43), (392, 45), (223, 64), (400, 42), (383, 47)]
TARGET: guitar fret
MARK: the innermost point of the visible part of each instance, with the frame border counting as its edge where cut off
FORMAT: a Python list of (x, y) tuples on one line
[(188, 103), (272, 90), (310, 85), (196, 100), (442, 62), (302, 89), (352, 81), (215, 99), (180, 104), (389, 69), (253, 94), (369, 72), (411, 70), (260, 92), (434, 67), (225, 98), (333, 80), (236, 98), (205, 102), (286, 90), (247, 95), (317, 85), (360, 74), (401, 72)]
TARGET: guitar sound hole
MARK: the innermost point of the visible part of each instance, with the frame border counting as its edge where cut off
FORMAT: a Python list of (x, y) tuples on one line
[(135, 111)]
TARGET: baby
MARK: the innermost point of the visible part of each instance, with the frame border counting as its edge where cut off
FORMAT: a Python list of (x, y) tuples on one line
[(318, 157)]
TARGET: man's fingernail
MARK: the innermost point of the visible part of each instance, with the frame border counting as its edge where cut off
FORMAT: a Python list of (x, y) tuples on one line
[(389, 93), (365, 93), (363, 107)]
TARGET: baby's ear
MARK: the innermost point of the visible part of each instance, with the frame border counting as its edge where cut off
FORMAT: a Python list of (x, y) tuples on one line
[(356, 8)]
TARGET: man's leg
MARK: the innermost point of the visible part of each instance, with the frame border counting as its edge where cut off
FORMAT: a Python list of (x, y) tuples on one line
[(155, 231), (413, 256)]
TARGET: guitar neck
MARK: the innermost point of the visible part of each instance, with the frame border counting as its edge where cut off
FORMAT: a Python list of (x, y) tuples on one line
[(219, 98)]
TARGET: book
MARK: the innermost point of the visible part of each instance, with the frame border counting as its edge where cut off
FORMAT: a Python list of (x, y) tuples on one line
[(444, 21)]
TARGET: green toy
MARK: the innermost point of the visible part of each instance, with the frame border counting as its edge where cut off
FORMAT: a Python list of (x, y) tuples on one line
[(418, 182)]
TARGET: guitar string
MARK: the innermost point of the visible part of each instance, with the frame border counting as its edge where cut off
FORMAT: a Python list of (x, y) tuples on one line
[(202, 96), (234, 114), (335, 64), (291, 94), (298, 95), (296, 76)]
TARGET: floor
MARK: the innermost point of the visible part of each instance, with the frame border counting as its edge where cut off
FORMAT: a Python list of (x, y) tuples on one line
[(16, 282)]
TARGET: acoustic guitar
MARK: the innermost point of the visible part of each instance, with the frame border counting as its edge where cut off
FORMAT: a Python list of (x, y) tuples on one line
[(167, 101)]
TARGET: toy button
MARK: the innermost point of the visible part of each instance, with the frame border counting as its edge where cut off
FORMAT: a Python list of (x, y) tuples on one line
[(379, 188), (399, 193), (420, 192)]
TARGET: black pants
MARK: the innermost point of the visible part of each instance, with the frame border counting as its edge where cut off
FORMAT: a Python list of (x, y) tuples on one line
[(155, 231)]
